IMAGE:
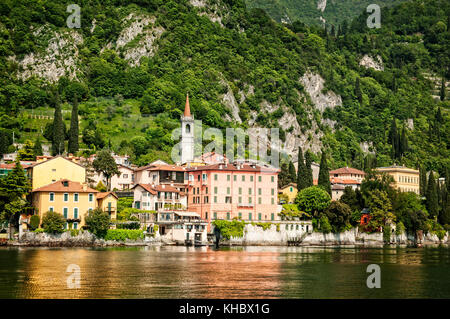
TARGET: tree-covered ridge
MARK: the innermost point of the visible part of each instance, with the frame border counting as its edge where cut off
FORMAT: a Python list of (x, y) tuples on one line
[(335, 12), (244, 55)]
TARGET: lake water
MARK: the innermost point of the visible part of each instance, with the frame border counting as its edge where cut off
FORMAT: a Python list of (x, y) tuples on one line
[(238, 272)]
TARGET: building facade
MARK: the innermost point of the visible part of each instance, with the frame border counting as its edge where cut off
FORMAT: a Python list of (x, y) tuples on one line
[(158, 197), (70, 199), (226, 191), (290, 191), (405, 179), (51, 170), (187, 134)]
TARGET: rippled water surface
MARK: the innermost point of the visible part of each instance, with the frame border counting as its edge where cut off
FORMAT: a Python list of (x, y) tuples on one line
[(244, 272)]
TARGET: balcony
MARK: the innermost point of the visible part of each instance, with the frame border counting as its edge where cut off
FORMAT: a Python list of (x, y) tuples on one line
[(245, 205)]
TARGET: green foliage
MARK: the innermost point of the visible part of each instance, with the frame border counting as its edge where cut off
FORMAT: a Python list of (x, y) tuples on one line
[(53, 223), (400, 228), (264, 226), (291, 211), (228, 229), (74, 129), (124, 202), (37, 148), (313, 200), (39, 230), (105, 163), (75, 232), (26, 153), (302, 173), (58, 133), (432, 196), (129, 225), (387, 232), (380, 208), (124, 234), (338, 214), (35, 220), (101, 187), (98, 222), (324, 174), (324, 225)]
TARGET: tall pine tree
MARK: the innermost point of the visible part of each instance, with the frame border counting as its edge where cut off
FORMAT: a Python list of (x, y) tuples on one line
[(442, 91), (309, 173), (301, 171), (74, 130), (58, 128), (432, 197), (37, 149), (324, 174)]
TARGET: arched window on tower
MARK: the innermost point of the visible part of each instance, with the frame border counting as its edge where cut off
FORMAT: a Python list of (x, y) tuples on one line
[(188, 128)]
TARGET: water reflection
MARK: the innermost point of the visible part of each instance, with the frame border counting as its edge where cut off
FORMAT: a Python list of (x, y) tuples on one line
[(234, 272)]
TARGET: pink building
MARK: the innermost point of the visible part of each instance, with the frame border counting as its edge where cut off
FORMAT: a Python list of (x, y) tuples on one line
[(158, 197), (226, 191), (162, 174)]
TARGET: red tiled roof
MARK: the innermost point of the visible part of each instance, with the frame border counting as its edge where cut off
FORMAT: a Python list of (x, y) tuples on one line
[(51, 159), (336, 180), (72, 187), (105, 194), (187, 108), (347, 170), (153, 189)]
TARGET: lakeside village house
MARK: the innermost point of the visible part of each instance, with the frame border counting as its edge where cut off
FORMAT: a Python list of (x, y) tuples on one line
[(185, 198)]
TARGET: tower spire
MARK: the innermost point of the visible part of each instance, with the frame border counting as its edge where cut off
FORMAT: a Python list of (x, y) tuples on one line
[(187, 108)]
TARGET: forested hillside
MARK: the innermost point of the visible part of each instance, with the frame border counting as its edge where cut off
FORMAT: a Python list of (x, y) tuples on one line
[(369, 97), (316, 12)]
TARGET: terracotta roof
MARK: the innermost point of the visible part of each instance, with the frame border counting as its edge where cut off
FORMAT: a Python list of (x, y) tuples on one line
[(72, 187), (105, 194), (187, 108), (171, 168), (336, 180), (347, 170), (153, 189), (232, 167), (337, 187)]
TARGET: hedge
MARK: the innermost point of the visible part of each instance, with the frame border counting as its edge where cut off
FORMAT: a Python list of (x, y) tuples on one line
[(123, 234)]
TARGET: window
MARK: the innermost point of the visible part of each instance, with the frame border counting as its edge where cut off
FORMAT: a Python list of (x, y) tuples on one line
[(204, 177), (235, 177), (215, 177), (291, 189), (125, 175), (65, 212), (251, 178), (75, 225), (240, 215), (228, 216), (206, 190), (273, 201), (206, 215), (91, 197), (259, 200), (249, 200), (240, 200), (272, 191), (259, 216), (272, 216), (228, 177), (193, 190), (215, 215), (50, 209), (259, 178), (215, 199), (66, 197), (240, 190), (198, 177), (228, 190), (243, 178), (206, 199), (249, 216), (272, 178), (228, 199), (75, 197), (52, 197), (259, 191), (296, 227), (75, 212), (188, 128), (215, 189)]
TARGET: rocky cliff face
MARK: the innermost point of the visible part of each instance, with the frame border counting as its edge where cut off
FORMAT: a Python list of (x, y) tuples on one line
[(58, 55)]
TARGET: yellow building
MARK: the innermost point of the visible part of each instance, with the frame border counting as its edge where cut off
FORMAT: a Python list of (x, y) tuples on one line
[(108, 203), (71, 199), (290, 191), (54, 169), (406, 179)]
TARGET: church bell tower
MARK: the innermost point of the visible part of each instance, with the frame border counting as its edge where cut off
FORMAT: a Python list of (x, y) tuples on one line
[(187, 134)]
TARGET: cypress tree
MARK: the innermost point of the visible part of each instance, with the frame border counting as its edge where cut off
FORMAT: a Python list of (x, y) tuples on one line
[(292, 173), (283, 177), (432, 197), (442, 92), (301, 171), (403, 142), (358, 91), (324, 174), (394, 139), (423, 180), (74, 130), (37, 149), (309, 173), (58, 128)]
